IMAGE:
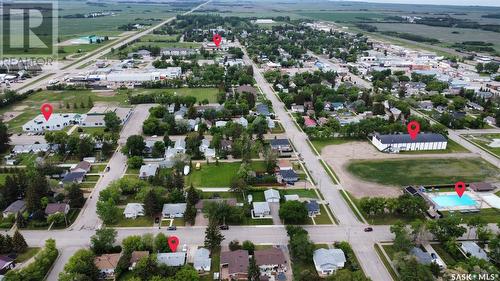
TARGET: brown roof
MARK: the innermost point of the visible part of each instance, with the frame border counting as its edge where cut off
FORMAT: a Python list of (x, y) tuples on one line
[(229, 201), (53, 208), (107, 261), (237, 261), (246, 89), (481, 186), (84, 165), (137, 255), (269, 256)]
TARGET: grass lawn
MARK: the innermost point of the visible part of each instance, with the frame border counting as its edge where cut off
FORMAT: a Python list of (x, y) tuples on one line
[(320, 144), (387, 263), (71, 217), (323, 218), (87, 184), (483, 141), (217, 175), (30, 107), (250, 221), (278, 128), (97, 168), (346, 198), (303, 193), (210, 195), (30, 252), (199, 93), (448, 258), (490, 215), (423, 171), (215, 255), (138, 222), (131, 170), (92, 178), (179, 222)]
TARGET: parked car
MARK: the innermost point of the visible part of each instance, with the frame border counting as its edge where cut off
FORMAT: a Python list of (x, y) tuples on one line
[(368, 229), (172, 228), (223, 227), (157, 220)]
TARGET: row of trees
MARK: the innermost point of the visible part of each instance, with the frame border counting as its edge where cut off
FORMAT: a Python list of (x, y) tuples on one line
[(36, 270), (406, 206)]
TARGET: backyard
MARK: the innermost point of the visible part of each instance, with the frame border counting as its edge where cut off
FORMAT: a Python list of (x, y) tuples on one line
[(200, 94), (220, 175)]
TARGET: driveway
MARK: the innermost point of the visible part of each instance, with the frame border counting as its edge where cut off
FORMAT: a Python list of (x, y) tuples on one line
[(275, 208)]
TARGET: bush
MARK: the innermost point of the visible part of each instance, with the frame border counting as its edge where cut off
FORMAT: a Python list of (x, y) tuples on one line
[(135, 162), (37, 269)]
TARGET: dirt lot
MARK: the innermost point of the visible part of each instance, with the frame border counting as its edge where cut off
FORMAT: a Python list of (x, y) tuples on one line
[(338, 157)]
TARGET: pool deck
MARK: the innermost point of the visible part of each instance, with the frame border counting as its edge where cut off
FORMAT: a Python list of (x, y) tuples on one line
[(479, 203)]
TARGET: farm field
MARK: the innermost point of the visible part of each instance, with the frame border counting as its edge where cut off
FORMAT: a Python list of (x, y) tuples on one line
[(444, 34), (30, 107), (199, 93), (423, 171)]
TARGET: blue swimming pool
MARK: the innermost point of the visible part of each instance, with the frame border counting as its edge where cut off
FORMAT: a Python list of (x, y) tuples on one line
[(452, 200)]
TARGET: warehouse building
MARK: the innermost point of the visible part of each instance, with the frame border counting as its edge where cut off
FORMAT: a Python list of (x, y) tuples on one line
[(57, 121), (402, 142)]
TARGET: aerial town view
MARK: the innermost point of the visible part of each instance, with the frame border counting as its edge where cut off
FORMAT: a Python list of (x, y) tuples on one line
[(260, 140)]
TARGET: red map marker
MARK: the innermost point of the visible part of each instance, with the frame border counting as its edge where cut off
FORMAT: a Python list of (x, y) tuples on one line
[(413, 129), (173, 242), (46, 109), (460, 188), (217, 39)]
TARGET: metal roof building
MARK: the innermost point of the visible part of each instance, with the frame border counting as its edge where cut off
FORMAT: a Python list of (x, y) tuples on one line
[(398, 142)]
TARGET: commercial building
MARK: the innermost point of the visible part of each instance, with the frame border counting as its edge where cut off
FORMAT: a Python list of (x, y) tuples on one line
[(95, 117), (396, 143), (57, 121)]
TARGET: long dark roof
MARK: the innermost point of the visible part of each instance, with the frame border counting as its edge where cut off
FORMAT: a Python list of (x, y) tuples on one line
[(405, 138)]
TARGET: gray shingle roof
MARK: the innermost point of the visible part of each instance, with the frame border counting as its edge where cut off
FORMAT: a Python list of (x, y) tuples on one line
[(422, 257), (15, 207), (288, 174), (329, 258), (172, 259), (405, 138), (279, 142)]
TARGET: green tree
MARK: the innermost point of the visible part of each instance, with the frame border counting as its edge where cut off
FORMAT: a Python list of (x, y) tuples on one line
[(253, 270), (158, 149), (161, 243), (151, 203), (249, 246), (75, 195), (146, 267), (4, 137), (102, 241), (57, 219), (402, 241), (213, 237), (187, 273), (82, 262), (134, 146), (108, 212), (112, 121), (447, 228), (135, 162), (19, 244), (293, 212)]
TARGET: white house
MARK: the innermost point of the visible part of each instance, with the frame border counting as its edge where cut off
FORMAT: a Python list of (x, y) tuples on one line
[(57, 121), (148, 170), (272, 195), (261, 209), (202, 260), (171, 259), (174, 210), (423, 141), (133, 210), (327, 261)]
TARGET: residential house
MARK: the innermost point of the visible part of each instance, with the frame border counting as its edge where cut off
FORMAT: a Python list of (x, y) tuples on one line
[(32, 148), (202, 261), (426, 105), (246, 89), (226, 145), (475, 106), (313, 208), (270, 261), (261, 209), (287, 176), (135, 257), (15, 207), (282, 146), (297, 108), (133, 210), (171, 259), (106, 264), (242, 121), (74, 177), (490, 120), (55, 208), (328, 261), (262, 109), (234, 265), (472, 249), (206, 150), (284, 164), (175, 210), (272, 196), (6, 264), (421, 256), (220, 124), (82, 166), (148, 170)]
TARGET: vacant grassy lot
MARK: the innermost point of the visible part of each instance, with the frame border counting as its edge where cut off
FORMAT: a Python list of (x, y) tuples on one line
[(217, 175), (138, 222), (303, 193), (484, 140), (490, 215), (423, 171), (60, 100), (320, 144), (199, 93)]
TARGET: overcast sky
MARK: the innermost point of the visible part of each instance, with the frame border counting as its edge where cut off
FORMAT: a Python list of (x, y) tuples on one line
[(440, 2)]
